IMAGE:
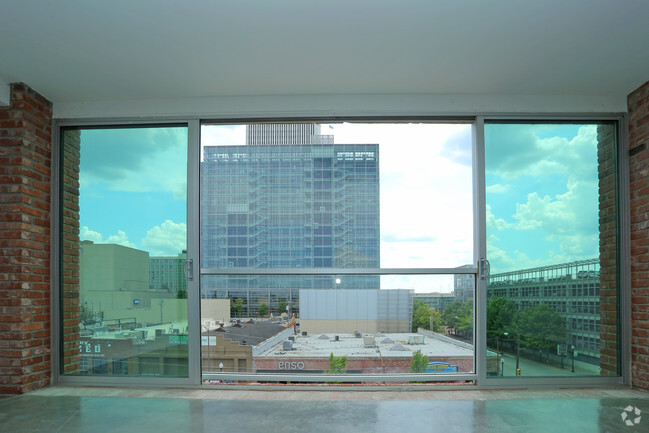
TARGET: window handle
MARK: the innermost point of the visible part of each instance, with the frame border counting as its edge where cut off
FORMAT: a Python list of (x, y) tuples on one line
[(188, 269), (485, 268)]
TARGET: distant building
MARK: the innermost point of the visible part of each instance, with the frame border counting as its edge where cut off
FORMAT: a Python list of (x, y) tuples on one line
[(112, 267), (464, 286), (278, 204), (436, 301), (167, 272), (114, 286), (346, 311), (571, 289), (279, 134)]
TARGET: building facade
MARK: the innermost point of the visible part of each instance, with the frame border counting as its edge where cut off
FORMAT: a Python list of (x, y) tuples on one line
[(166, 273), (286, 207), (570, 289)]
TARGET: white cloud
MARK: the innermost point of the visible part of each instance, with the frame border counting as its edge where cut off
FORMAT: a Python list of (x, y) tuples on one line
[(515, 150), (167, 239), (494, 223), (120, 238), (498, 188), (136, 160)]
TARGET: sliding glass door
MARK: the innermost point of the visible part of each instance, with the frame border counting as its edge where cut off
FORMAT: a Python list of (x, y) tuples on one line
[(552, 241), (123, 200)]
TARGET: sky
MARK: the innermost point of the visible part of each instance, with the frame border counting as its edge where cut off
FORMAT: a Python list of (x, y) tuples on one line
[(541, 186), (542, 195)]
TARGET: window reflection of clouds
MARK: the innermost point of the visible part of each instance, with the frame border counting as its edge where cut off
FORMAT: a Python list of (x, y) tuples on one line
[(552, 181), (133, 184)]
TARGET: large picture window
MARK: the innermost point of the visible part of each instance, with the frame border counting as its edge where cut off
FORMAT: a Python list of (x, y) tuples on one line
[(340, 252), (356, 223)]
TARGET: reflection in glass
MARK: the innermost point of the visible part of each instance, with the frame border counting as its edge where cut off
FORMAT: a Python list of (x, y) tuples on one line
[(551, 242), (124, 291)]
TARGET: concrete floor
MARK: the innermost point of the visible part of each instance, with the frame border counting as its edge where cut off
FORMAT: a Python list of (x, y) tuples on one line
[(126, 410)]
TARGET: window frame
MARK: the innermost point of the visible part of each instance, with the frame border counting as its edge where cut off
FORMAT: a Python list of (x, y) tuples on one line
[(479, 379)]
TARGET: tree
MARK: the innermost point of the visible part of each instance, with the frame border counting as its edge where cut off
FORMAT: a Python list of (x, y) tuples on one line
[(86, 316), (540, 327), (465, 317), (500, 316), (262, 310), (459, 315), (450, 316), (181, 294), (236, 307), (337, 365), (419, 363), (420, 316), (438, 325), (281, 306)]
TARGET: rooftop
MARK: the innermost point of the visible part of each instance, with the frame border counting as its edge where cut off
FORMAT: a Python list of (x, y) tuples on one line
[(322, 345)]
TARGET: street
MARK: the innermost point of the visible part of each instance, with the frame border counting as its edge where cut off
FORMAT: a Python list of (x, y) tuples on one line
[(529, 367)]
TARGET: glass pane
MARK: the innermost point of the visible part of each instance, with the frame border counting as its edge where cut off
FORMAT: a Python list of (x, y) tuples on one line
[(270, 324), (551, 241), (342, 195), (124, 246)]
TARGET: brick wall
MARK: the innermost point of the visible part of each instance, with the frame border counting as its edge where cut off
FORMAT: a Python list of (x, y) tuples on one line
[(71, 148), (608, 248), (25, 168), (638, 103)]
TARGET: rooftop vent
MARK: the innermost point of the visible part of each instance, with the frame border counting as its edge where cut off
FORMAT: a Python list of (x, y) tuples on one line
[(399, 348)]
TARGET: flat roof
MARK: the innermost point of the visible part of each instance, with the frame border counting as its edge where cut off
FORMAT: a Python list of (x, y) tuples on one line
[(317, 346)]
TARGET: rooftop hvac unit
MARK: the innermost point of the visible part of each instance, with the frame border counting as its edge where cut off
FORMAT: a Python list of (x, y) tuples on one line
[(358, 334), (416, 339), (287, 345), (291, 338), (369, 341), (304, 334)]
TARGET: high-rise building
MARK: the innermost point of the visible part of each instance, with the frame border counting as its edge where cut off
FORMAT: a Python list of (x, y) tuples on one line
[(268, 134), (288, 206)]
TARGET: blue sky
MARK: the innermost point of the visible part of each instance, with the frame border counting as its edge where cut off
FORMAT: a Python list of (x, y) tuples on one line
[(133, 188), (542, 198)]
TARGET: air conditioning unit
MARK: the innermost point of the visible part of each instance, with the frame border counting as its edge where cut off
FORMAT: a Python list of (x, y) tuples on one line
[(287, 345), (416, 339), (369, 341)]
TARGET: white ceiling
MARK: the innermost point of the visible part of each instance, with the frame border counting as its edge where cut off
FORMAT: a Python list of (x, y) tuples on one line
[(77, 51)]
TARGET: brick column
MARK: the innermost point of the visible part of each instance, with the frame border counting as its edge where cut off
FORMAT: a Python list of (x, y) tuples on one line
[(25, 180), (608, 248), (638, 103), (70, 309)]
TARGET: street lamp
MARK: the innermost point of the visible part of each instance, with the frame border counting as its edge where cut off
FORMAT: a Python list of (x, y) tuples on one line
[(518, 353), (506, 334), (572, 355)]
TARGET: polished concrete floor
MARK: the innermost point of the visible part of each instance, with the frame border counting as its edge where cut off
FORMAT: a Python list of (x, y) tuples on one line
[(126, 410)]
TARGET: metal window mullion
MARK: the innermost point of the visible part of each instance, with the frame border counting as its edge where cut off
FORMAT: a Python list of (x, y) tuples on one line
[(341, 271)]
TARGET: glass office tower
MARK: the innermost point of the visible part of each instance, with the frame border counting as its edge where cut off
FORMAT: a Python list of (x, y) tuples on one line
[(284, 207)]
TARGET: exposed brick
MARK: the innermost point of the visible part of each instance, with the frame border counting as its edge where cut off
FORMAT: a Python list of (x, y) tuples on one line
[(25, 178), (638, 106)]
